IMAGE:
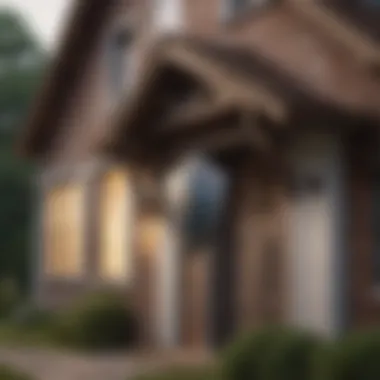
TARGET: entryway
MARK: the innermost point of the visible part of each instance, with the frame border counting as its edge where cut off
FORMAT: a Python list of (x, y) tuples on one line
[(197, 193)]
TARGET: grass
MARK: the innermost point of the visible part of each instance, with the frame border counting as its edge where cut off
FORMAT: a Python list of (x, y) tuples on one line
[(8, 373), (13, 335)]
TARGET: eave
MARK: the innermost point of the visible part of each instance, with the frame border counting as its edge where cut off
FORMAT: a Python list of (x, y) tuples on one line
[(84, 25)]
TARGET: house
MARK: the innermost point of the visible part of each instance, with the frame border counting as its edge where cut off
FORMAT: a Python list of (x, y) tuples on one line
[(272, 106)]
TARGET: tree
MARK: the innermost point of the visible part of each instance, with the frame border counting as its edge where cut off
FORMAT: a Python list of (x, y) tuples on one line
[(21, 67)]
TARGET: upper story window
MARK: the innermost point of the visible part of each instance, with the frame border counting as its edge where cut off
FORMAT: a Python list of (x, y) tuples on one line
[(167, 14), (119, 60), (232, 8)]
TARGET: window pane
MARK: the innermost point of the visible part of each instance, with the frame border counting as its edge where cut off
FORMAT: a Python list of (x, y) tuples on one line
[(115, 227), (119, 57), (64, 231), (207, 199)]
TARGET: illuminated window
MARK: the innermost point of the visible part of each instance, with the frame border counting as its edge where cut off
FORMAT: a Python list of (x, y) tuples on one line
[(115, 227), (64, 231)]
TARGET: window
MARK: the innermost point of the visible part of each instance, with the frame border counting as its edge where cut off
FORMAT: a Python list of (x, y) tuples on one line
[(64, 231), (236, 7), (167, 14), (119, 61), (207, 193), (115, 227)]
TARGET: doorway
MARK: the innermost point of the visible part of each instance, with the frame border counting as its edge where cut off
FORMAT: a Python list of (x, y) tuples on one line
[(192, 263)]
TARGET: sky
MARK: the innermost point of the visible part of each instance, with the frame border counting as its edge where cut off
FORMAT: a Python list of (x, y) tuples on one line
[(43, 16)]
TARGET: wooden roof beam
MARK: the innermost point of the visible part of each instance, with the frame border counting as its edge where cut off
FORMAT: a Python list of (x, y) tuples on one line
[(226, 85), (247, 132), (344, 32), (193, 113)]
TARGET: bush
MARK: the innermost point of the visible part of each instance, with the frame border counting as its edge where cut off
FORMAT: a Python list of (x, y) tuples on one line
[(273, 354), (9, 297), (7, 373), (357, 357), (294, 355), (100, 321), (30, 317), (180, 373), (244, 359)]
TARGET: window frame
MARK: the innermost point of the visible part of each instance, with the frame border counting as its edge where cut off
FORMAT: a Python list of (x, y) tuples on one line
[(119, 60)]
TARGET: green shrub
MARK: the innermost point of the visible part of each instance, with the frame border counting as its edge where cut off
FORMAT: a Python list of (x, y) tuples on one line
[(358, 357), (181, 373), (99, 321), (244, 359), (8, 373), (9, 297), (30, 317), (294, 355), (274, 354)]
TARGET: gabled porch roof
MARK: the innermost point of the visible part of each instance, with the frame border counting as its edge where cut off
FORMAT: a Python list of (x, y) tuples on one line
[(240, 83)]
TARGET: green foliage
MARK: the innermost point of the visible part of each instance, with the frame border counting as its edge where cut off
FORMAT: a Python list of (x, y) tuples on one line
[(100, 321), (32, 318), (274, 354), (21, 68), (293, 356), (244, 359), (8, 373), (9, 297), (357, 357), (183, 373)]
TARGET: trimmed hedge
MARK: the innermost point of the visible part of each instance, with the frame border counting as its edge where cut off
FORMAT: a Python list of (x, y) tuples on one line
[(98, 321), (244, 359), (293, 356), (274, 354), (183, 373)]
